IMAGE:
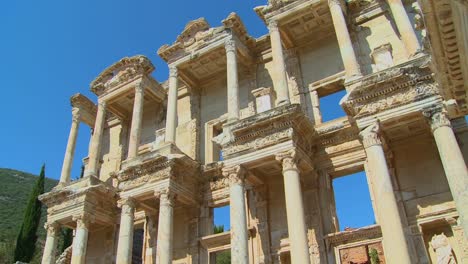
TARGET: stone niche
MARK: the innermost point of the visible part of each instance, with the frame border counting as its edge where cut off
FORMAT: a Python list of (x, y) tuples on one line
[(382, 57)]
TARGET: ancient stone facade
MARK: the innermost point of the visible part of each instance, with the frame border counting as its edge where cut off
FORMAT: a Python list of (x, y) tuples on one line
[(239, 123)]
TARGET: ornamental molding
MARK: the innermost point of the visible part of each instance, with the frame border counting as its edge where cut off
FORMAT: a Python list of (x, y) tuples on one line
[(123, 71), (391, 88)]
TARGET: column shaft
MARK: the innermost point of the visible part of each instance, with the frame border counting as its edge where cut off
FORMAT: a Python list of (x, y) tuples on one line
[(164, 245), (453, 163), (96, 140), (171, 115), (348, 55), (232, 80), (125, 243), (135, 130), (404, 26), (239, 229), (70, 151), (297, 228), (50, 247), (279, 75), (394, 240), (80, 241)]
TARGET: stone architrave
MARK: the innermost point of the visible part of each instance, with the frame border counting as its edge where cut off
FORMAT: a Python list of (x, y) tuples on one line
[(297, 228), (165, 244), (394, 239), (452, 161), (125, 243), (50, 247), (80, 241), (239, 230)]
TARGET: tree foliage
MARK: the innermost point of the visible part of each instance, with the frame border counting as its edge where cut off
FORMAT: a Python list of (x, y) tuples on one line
[(374, 256), (218, 229), (27, 237)]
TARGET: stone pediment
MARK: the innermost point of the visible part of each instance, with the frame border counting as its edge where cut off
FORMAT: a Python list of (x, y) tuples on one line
[(198, 34), (400, 85), (121, 72)]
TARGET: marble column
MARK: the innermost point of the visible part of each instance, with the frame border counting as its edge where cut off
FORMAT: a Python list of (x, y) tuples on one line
[(80, 241), (165, 247), (238, 214), (403, 23), (452, 161), (279, 75), (137, 116), (232, 80), (394, 240), (125, 243), (70, 151), (171, 114), (297, 228), (96, 140), (348, 55), (50, 247)]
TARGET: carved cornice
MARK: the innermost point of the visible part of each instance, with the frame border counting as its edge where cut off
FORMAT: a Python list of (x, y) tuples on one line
[(396, 86), (437, 117), (370, 136), (123, 71), (236, 174)]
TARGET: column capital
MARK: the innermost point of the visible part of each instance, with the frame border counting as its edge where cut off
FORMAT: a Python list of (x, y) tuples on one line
[(370, 135), (102, 104), (437, 117), (127, 205), (173, 71), (166, 196), (76, 114), (139, 88), (289, 159), (236, 174), (83, 220), (52, 228), (273, 26), (335, 3), (230, 45)]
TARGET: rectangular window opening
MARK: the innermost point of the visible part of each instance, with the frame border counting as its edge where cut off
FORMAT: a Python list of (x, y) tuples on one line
[(330, 107), (221, 219), (221, 257), (353, 202)]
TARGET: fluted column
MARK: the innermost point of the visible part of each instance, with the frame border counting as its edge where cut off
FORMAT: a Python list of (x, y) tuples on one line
[(80, 241), (394, 241), (279, 76), (452, 161), (50, 247), (135, 130), (297, 228), (171, 114), (348, 55), (96, 140), (232, 80), (238, 214), (165, 245), (125, 243), (70, 151), (403, 23)]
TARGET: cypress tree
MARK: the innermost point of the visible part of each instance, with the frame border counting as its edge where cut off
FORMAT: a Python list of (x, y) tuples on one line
[(26, 241)]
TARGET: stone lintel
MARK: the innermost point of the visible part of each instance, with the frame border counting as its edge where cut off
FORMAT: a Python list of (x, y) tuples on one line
[(86, 108)]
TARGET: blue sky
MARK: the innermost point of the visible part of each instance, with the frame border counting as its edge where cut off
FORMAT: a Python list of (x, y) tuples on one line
[(53, 49)]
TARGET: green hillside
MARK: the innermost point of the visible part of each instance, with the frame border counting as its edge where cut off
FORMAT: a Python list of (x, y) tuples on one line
[(15, 187)]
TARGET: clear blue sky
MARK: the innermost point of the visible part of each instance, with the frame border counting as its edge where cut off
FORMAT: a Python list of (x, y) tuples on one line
[(53, 49)]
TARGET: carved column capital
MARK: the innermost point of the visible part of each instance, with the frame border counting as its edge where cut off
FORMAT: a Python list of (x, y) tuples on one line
[(437, 117), (102, 104), (370, 136), (173, 71), (273, 26), (230, 45), (127, 205), (236, 174), (289, 159), (52, 228), (166, 197), (139, 88), (76, 114), (83, 220), (335, 3)]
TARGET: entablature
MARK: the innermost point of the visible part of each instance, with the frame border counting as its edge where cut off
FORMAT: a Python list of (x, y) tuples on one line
[(86, 108)]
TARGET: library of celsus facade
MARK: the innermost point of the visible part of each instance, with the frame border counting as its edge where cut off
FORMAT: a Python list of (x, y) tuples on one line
[(239, 122)]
